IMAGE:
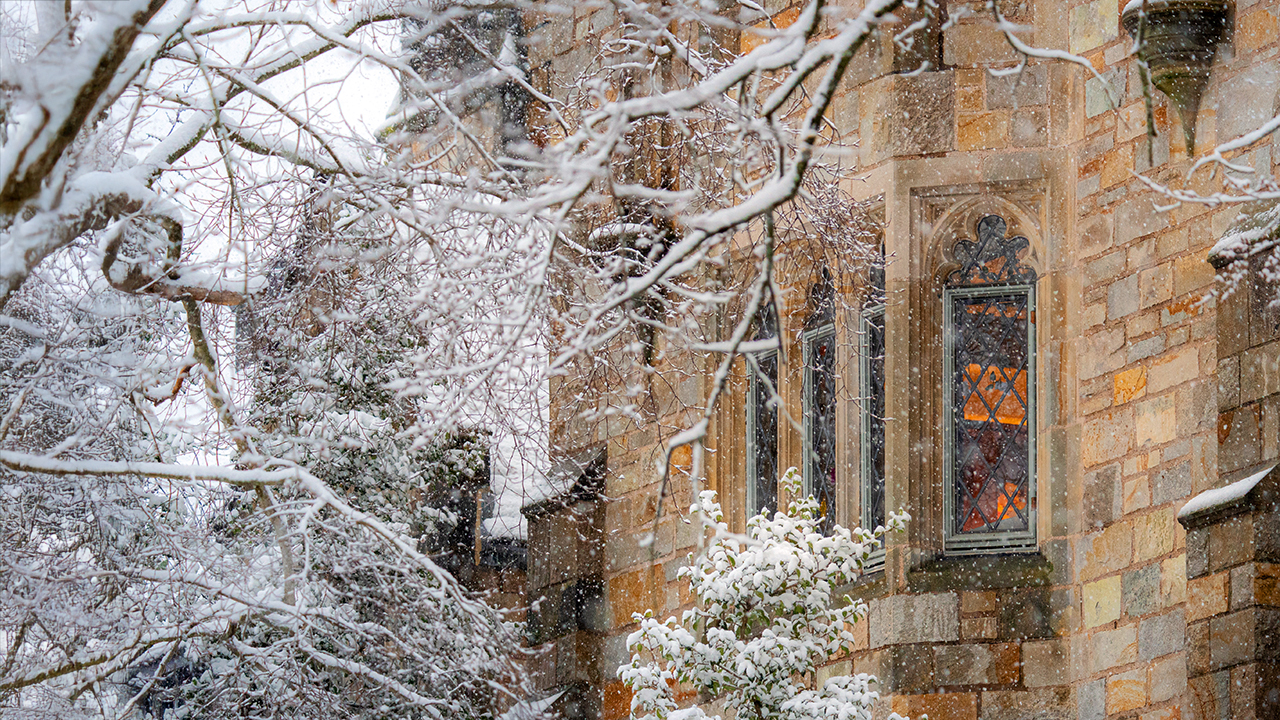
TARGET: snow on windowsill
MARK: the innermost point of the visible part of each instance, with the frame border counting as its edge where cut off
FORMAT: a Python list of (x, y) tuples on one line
[(1223, 496)]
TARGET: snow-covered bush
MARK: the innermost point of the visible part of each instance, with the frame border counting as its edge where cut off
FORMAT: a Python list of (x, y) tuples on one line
[(765, 618)]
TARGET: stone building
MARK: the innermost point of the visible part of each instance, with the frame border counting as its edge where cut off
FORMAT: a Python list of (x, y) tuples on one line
[(1044, 376)]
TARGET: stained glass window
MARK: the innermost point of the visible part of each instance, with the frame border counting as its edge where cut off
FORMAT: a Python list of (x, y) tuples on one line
[(990, 335), (820, 398), (871, 371), (762, 422)]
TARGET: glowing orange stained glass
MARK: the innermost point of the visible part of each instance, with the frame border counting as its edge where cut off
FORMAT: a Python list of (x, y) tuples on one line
[(994, 391), (995, 506)]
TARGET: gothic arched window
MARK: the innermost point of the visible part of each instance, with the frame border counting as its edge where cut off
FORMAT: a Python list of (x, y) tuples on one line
[(989, 356)]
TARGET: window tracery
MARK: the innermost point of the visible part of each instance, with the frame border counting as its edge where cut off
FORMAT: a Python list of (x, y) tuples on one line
[(989, 335)]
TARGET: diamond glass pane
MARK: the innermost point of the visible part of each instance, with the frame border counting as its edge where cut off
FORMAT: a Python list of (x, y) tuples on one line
[(991, 423), (873, 371), (820, 431), (764, 435)]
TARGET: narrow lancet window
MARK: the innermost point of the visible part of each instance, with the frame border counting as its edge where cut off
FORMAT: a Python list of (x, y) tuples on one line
[(990, 371), (871, 371), (762, 420), (820, 399)]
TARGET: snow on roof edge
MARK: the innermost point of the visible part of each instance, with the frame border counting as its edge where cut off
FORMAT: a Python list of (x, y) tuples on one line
[(1223, 496)]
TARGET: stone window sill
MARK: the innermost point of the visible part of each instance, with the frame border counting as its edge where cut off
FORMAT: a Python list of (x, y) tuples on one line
[(980, 572)]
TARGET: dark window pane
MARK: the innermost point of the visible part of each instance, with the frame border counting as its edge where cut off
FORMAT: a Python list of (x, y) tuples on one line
[(991, 407), (873, 427), (820, 417), (763, 429)]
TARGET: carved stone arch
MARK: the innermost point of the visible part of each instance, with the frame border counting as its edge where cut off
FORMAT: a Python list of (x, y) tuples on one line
[(960, 221)]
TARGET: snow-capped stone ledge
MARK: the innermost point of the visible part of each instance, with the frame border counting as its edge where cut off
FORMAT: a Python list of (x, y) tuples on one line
[(1234, 498)]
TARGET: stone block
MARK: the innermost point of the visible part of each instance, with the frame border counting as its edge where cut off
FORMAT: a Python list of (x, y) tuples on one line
[(1168, 678), (978, 628), (1173, 369), (1105, 552), (1171, 483), (924, 110), (978, 602), (1259, 372), (1240, 586), (1130, 384), (1126, 691), (1143, 349), (1028, 613), (1229, 383), (977, 664), (1101, 601), (1043, 704), (1252, 94), (982, 131), (1113, 648), (1155, 421), (910, 668), (1207, 596), (1104, 269), (1091, 700), (1191, 272), (1155, 285), (974, 44), (899, 619), (949, 706), (1138, 217), (1232, 639), (1101, 497), (1230, 542), (1029, 127), (1101, 94), (1161, 635), (1122, 297), (1107, 436), (1029, 87), (1046, 662), (1173, 580), (1266, 584), (1154, 534), (1092, 25), (1142, 591)]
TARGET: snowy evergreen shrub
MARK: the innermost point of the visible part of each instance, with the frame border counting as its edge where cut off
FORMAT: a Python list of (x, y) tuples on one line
[(764, 619)]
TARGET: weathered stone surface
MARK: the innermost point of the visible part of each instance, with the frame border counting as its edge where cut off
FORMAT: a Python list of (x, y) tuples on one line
[(1155, 534), (1130, 384), (1105, 552), (948, 706), (973, 44), (1108, 435), (1161, 635), (1232, 638), (1173, 369), (1230, 542), (1101, 497), (1101, 601), (1142, 591), (1168, 678), (1126, 691), (977, 664), (1046, 662), (1091, 700), (1155, 421), (933, 617), (1113, 648), (1136, 218), (1173, 483), (1092, 25), (1122, 297), (1041, 704), (1207, 596)]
